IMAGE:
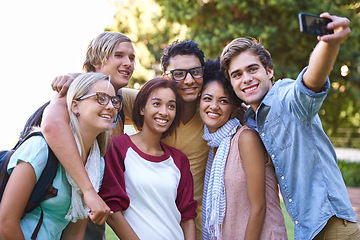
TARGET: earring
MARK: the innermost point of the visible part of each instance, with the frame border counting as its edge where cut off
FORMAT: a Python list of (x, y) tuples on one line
[(77, 114)]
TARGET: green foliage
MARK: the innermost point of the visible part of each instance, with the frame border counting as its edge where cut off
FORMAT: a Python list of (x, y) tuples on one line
[(143, 23), (214, 23), (152, 24), (350, 172)]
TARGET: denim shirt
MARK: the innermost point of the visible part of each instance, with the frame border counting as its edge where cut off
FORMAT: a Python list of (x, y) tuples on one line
[(305, 161)]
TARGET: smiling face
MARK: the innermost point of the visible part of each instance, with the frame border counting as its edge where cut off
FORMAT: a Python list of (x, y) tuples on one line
[(92, 116), (159, 111), (215, 106), (250, 80), (189, 89), (120, 65)]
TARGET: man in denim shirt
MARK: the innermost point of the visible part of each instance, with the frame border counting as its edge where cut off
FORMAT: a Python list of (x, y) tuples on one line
[(285, 115)]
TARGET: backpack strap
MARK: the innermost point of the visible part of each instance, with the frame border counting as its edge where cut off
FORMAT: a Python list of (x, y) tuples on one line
[(43, 189), (4, 176), (34, 120), (38, 225)]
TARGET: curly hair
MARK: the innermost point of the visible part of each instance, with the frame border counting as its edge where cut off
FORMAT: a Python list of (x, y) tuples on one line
[(186, 47)]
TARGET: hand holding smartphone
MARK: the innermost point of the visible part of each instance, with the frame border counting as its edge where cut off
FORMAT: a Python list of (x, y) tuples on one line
[(314, 25)]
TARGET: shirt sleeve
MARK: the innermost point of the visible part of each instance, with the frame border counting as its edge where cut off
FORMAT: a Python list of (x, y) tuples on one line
[(185, 193), (129, 96), (34, 151), (300, 100), (113, 189)]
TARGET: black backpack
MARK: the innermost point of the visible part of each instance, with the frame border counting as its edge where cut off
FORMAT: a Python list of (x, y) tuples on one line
[(43, 189)]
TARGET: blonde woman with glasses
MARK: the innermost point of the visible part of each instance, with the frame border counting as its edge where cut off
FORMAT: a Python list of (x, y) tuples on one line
[(92, 106)]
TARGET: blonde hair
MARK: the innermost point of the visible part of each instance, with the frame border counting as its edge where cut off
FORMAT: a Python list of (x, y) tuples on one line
[(100, 49), (78, 88)]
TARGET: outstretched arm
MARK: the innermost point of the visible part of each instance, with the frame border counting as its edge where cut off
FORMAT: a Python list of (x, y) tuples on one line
[(324, 55), (56, 130)]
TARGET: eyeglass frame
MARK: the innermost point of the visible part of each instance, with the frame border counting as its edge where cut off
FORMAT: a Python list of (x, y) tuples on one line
[(187, 71), (108, 97)]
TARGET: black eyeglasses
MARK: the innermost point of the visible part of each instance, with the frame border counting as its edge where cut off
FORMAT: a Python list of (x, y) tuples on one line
[(104, 99), (180, 74)]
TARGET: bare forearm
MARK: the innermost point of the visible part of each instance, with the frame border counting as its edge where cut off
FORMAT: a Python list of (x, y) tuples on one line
[(321, 63), (75, 231), (255, 223), (189, 229), (121, 227), (324, 55)]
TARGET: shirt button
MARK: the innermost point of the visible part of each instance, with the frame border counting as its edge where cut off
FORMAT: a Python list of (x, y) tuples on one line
[(272, 156), (263, 134), (296, 222), (290, 200), (282, 178)]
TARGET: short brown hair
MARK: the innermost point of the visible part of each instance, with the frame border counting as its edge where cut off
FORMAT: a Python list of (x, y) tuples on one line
[(239, 45), (142, 98), (100, 49)]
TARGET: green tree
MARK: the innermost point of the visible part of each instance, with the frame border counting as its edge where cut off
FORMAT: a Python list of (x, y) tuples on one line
[(142, 22), (214, 23), (152, 24)]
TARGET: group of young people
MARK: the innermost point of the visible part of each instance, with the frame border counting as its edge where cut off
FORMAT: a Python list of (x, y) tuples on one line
[(192, 171)]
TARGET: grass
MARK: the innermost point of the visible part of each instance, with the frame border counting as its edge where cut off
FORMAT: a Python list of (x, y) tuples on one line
[(289, 223), (110, 235)]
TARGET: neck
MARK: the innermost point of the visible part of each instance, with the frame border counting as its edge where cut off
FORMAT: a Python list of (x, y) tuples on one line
[(148, 142), (188, 112), (88, 139)]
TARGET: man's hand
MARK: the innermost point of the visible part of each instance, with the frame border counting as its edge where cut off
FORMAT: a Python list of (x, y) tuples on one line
[(341, 27), (240, 113), (61, 83), (99, 211)]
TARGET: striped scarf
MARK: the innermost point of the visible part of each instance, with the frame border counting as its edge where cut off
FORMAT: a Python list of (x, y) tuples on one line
[(214, 203)]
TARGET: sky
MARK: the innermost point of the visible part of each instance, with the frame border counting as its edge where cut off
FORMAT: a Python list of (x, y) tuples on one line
[(41, 39)]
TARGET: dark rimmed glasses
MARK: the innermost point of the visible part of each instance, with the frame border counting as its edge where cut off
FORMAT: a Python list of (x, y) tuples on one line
[(104, 99), (180, 74)]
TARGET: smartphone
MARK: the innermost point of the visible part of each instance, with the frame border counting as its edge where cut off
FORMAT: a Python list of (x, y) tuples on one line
[(314, 25)]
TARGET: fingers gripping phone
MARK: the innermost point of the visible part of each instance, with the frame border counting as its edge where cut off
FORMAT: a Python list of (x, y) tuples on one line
[(314, 25)]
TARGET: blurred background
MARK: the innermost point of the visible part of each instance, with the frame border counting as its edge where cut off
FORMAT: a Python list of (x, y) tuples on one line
[(41, 39)]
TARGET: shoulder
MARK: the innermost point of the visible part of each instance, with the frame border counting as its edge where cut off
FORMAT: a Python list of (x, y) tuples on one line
[(128, 93), (176, 154), (172, 151), (120, 141), (249, 138), (247, 134), (34, 151), (34, 144)]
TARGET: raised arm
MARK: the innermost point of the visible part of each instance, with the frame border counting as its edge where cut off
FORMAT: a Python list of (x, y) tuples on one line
[(324, 55), (56, 130)]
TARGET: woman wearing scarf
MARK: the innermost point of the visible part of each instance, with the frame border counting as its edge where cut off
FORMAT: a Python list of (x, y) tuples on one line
[(241, 196), (92, 107)]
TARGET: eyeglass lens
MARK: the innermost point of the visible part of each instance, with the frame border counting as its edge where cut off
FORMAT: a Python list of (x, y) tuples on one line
[(180, 74), (104, 99)]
